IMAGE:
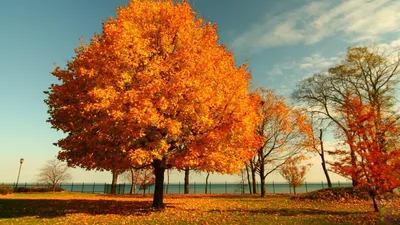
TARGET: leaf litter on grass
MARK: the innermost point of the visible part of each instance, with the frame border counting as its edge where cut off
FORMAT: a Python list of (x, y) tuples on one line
[(181, 209)]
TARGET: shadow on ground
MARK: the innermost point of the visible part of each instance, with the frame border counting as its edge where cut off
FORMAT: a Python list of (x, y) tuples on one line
[(46, 208), (300, 212)]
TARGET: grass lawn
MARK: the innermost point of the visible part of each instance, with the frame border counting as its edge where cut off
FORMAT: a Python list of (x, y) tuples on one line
[(77, 208)]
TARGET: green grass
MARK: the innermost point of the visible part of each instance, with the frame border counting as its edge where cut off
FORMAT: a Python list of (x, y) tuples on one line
[(74, 208)]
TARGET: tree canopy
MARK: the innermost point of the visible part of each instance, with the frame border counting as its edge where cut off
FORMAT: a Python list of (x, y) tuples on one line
[(155, 87), (282, 129)]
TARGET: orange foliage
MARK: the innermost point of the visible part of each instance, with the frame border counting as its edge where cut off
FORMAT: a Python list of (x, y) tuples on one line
[(376, 163), (293, 172), (155, 85), (281, 124), (283, 129)]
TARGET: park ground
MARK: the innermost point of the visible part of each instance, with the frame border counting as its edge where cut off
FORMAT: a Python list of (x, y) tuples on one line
[(78, 208)]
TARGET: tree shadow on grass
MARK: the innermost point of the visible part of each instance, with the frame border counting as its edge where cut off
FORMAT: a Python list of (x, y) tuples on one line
[(46, 208), (224, 196)]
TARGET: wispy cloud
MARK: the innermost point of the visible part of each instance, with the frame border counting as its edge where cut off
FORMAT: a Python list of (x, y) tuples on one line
[(287, 73), (353, 20), (393, 47), (317, 62), (311, 64)]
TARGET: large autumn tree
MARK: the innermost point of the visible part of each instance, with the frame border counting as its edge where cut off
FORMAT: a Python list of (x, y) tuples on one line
[(376, 157), (155, 87), (369, 73)]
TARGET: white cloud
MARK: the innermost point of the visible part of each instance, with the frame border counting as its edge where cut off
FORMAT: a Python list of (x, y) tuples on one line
[(395, 43), (393, 46), (306, 66), (354, 20), (318, 62), (311, 64), (390, 50)]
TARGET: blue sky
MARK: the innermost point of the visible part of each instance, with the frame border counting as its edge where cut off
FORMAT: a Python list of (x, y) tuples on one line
[(284, 41)]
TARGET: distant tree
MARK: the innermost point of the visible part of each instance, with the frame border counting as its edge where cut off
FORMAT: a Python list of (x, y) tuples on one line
[(143, 178), (242, 182), (131, 177), (283, 130), (377, 165), (146, 179), (53, 173), (168, 171), (294, 173)]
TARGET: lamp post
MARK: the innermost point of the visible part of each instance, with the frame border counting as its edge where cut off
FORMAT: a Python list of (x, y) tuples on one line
[(19, 172)]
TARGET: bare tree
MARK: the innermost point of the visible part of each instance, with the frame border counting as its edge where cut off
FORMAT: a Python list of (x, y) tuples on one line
[(142, 177), (53, 173), (321, 152), (132, 177), (366, 72), (146, 179), (316, 143), (242, 186)]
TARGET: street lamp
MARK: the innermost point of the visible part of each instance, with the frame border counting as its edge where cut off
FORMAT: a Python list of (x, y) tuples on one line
[(19, 172)]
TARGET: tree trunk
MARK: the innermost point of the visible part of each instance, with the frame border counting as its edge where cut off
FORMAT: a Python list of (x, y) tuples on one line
[(373, 196), (206, 188), (294, 190), (114, 182), (133, 185), (262, 182), (262, 177), (328, 179), (167, 188), (133, 189), (159, 169), (54, 187), (253, 176), (248, 178), (186, 191), (354, 165), (323, 163), (243, 188)]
